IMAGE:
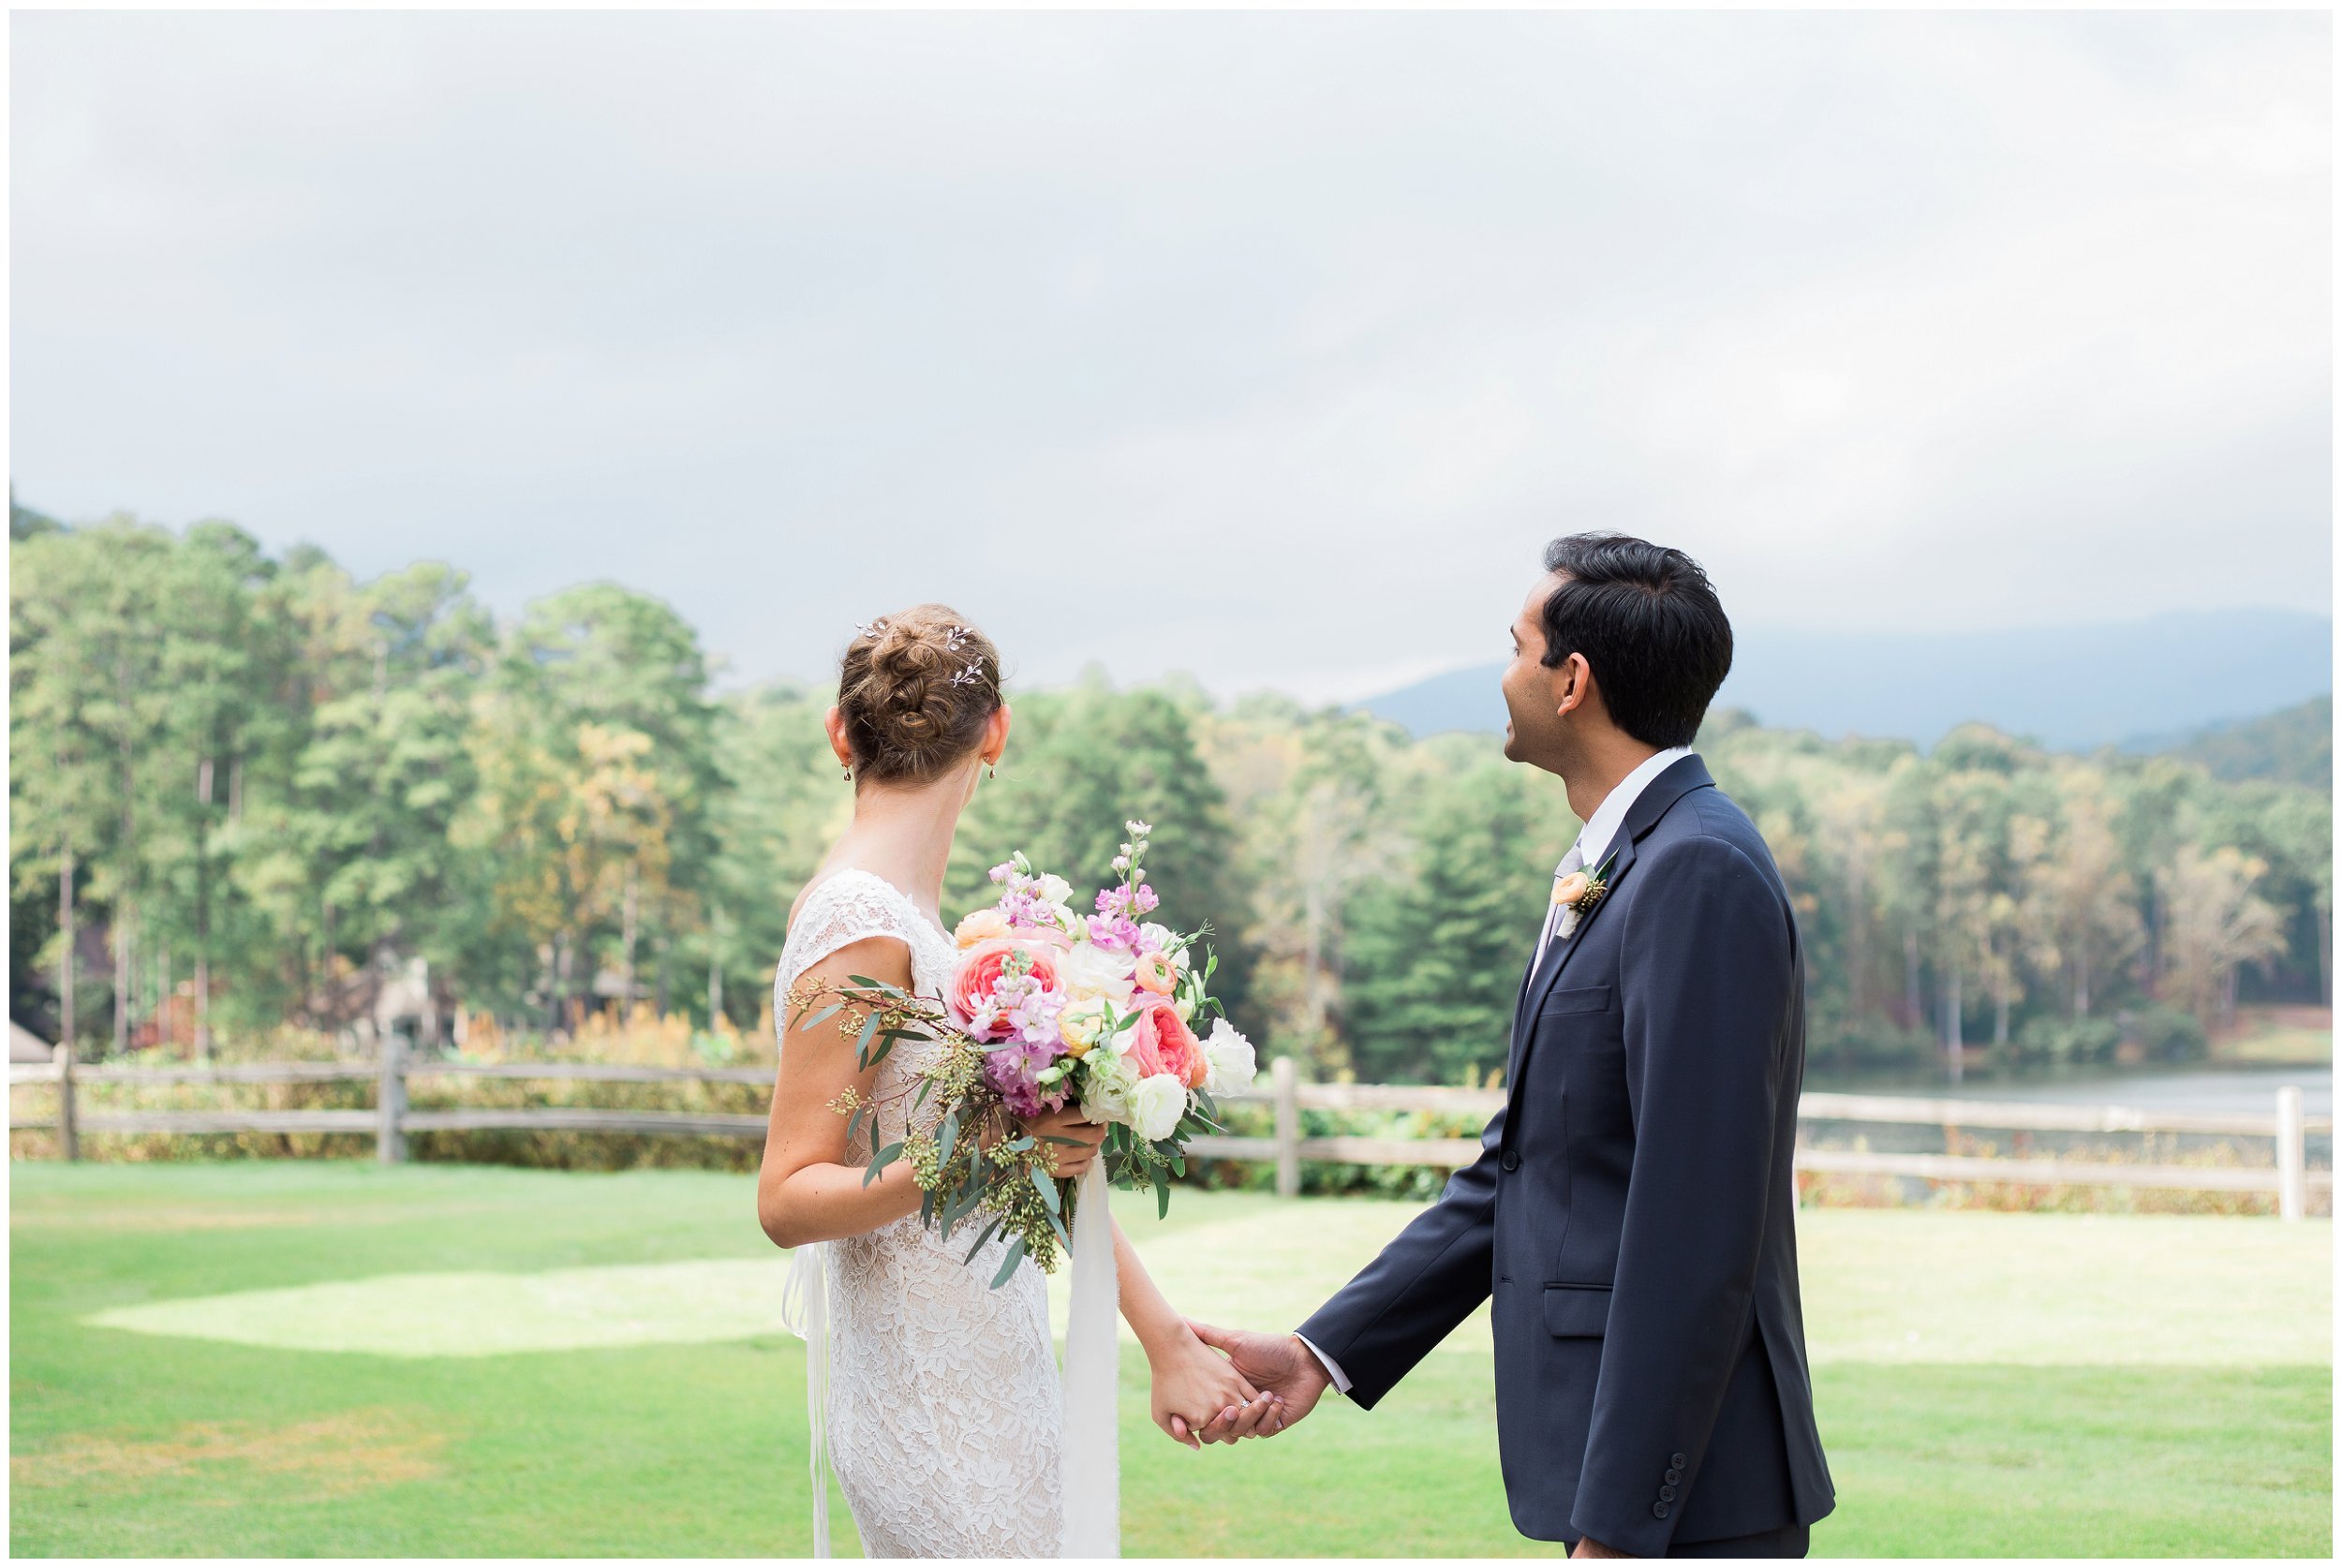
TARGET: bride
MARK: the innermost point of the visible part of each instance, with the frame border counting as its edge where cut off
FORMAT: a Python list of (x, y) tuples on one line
[(942, 1409)]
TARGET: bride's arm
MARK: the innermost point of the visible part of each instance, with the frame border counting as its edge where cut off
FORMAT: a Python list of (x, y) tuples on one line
[(1191, 1381), (806, 1192)]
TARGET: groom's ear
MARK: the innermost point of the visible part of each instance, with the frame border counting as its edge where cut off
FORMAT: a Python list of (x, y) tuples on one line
[(1573, 684)]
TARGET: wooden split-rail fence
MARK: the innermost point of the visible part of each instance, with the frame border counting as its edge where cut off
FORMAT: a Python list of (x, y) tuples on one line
[(391, 1120)]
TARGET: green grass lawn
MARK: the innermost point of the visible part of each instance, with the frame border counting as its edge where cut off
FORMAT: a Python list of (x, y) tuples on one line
[(296, 1358)]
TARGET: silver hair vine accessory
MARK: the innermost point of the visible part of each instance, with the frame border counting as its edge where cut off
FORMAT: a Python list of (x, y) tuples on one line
[(870, 629), (954, 638), (968, 674)]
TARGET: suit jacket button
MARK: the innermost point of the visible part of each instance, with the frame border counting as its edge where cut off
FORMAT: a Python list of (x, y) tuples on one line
[(1677, 1461), (1674, 1476), (1658, 1510), (1667, 1494), (1511, 1160)]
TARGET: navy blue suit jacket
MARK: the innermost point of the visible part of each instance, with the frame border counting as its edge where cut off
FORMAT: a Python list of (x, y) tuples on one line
[(1631, 1213)]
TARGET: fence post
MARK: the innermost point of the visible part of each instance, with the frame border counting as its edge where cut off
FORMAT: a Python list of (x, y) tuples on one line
[(1282, 1077), (68, 1134), (2289, 1154), (390, 1141)]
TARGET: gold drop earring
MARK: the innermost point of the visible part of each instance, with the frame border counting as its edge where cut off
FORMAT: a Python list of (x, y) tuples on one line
[(848, 775)]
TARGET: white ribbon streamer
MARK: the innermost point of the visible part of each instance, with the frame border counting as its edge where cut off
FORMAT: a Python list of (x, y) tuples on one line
[(805, 1309), (1092, 1470)]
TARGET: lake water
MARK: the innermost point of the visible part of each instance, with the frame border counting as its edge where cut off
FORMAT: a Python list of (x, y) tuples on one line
[(2201, 1090)]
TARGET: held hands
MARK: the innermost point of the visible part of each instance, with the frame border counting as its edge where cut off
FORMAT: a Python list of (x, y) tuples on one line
[(1279, 1365), (1188, 1377)]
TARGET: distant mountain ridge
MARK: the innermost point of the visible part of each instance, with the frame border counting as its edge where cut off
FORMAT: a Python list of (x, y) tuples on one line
[(2066, 688), (2293, 745)]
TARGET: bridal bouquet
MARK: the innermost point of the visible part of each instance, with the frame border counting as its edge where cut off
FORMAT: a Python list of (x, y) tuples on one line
[(1046, 1007)]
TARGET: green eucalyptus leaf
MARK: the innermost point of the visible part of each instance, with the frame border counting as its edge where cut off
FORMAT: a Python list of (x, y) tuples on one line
[(988, 1231)]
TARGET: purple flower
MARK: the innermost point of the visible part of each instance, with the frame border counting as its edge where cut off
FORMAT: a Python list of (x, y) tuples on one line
[(1126, 902), (1118, 932), (1012, 1068)]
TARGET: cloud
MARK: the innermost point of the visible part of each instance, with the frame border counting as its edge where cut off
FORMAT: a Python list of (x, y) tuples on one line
[(1270, 347)]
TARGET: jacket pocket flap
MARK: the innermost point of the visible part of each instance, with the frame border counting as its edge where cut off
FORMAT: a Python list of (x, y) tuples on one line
[(1576, 1310), (1583, 999)]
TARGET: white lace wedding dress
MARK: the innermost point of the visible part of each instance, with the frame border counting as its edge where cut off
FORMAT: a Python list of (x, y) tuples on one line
[(942, 1409)]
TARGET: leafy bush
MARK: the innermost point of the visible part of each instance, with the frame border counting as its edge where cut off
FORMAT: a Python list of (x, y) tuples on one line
[(1871, 1045), (2062, 1041), (2166, 1033)]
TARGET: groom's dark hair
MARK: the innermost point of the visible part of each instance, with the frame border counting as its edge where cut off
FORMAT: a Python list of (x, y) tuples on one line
[(1650, 625)]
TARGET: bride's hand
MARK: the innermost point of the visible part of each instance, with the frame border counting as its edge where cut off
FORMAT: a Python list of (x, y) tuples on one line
[(1067, 1123), (1195, 1383)]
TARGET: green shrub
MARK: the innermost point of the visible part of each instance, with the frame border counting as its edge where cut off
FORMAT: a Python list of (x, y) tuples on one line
[(2166, 1033), (1874, 1043), (2060, 1041)]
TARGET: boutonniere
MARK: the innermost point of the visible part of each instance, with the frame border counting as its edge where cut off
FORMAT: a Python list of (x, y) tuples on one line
[(1578, 892)]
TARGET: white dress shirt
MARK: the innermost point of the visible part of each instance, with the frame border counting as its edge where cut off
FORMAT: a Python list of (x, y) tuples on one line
[(1592, 847)]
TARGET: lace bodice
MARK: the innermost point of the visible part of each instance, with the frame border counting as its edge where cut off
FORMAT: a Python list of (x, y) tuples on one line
[(944, 1407)]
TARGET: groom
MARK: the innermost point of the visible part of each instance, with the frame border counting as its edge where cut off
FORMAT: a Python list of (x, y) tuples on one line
[(1630, 1215)]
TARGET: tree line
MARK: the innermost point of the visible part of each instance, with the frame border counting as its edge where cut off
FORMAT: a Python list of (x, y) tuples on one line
[(250, 792)]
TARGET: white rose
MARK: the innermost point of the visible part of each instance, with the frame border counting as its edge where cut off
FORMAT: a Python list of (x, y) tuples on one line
[(1086, 970), (1157, 1104), (1106, 1091), (1054, 888), (1229, 1056)]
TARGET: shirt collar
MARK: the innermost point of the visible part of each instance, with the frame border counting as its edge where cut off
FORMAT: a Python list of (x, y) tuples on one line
[(1593, 843)]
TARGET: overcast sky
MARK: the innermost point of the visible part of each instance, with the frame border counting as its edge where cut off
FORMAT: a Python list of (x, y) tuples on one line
[(1266, 347)]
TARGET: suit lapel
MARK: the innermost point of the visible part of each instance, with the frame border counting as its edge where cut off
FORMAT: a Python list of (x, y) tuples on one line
[(1658, 796), (1559, 950)]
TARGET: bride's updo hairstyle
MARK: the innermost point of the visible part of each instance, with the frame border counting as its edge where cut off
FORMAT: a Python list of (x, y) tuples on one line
[(915, 690)]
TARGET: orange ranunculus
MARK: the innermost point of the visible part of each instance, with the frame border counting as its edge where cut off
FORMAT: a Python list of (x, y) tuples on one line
[(1154, 972), (980, 966)]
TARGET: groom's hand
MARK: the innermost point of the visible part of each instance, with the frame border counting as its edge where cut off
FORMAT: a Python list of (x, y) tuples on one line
[(1279, 1365), (1588, 1546)]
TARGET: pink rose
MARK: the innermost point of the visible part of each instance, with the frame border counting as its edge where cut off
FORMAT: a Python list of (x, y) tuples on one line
[(1145, 1048), (980, 968), (1165, 1043)]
